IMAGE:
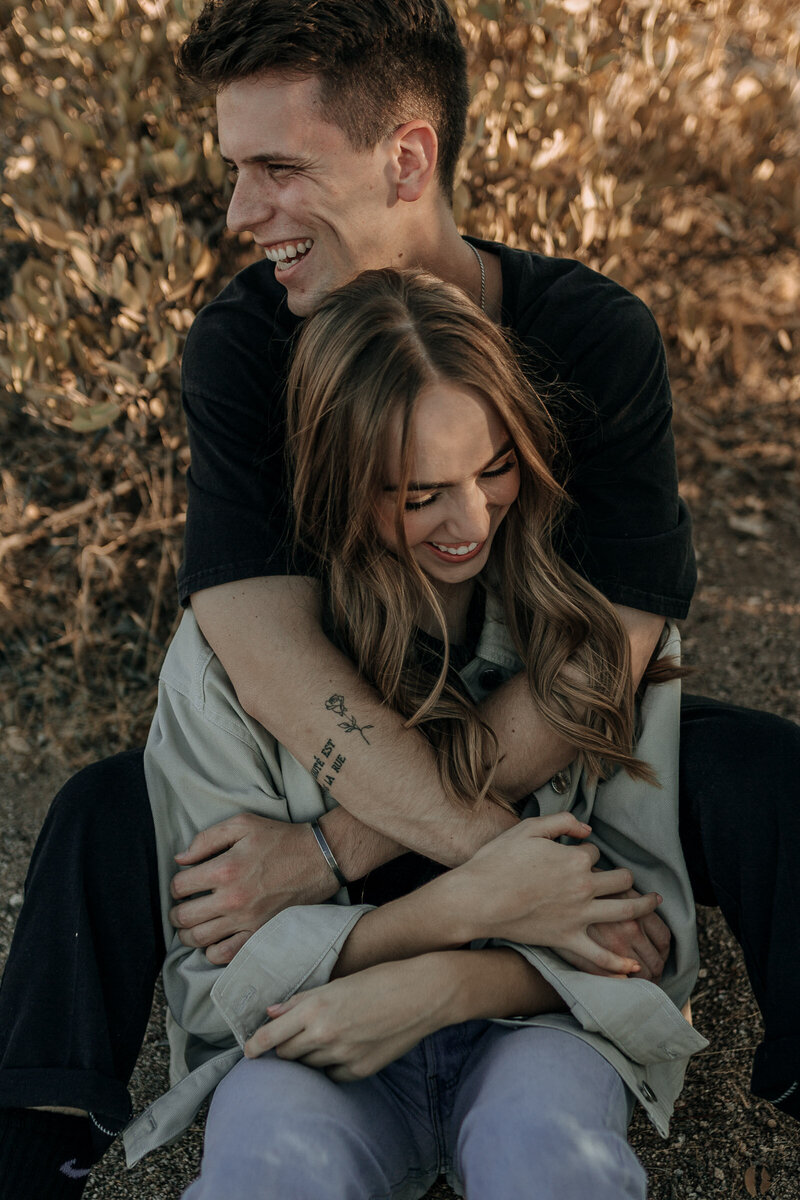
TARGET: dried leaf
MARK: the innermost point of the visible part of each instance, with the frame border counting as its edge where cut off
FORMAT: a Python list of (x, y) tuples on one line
[(85, 264), (752, 525), (167, 232), (750, 1181), (98, 416)]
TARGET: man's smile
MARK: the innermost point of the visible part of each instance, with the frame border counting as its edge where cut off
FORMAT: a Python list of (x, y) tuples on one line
[(287, 252)]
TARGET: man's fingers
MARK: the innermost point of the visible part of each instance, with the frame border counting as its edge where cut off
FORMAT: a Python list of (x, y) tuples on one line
[(191, 913), (209, 842), (657, 931), (201, 936), (628, 909), (221, 953), (193, 880), (649, 957)]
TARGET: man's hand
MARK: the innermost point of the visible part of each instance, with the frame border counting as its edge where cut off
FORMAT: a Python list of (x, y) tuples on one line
[(646, 941), (251, 868), (527, 888)]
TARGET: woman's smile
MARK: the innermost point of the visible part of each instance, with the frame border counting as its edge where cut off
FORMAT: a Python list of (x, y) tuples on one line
[(456, 554), (464, 479)]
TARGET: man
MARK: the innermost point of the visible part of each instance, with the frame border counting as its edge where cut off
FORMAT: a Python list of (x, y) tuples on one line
[(343, 121)]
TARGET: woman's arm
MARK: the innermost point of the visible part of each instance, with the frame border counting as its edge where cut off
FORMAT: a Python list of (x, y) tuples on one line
[(355, 1026), (521, 887)]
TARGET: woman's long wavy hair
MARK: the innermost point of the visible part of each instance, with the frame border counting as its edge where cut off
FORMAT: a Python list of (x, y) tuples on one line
[(361, 362)]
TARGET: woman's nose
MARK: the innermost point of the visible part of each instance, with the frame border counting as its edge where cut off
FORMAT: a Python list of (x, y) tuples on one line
[(471, 518)]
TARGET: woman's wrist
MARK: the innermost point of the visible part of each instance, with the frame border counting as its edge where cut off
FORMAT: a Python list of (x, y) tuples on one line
[(456, 905), (496, 982)]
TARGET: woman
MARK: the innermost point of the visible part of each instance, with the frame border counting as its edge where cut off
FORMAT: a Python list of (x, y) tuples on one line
[(424, 498)]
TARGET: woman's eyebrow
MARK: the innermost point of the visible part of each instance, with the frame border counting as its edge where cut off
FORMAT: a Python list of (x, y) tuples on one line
[(415, 486)]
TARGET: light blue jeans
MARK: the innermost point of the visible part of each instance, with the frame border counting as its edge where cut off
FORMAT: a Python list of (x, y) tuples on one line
[(504, 1113)]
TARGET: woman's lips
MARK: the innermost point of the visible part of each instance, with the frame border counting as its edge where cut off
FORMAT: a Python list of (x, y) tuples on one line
[(455, 559)]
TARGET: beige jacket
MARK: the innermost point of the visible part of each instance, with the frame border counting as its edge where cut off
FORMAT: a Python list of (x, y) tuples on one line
[(206, 760)]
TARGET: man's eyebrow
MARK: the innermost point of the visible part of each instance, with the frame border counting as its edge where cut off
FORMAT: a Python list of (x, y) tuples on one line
[(415, 486), (263, 158)]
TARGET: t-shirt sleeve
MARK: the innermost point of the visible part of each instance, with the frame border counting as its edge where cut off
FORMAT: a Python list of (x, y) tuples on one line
[(627, 530), (234, 367)]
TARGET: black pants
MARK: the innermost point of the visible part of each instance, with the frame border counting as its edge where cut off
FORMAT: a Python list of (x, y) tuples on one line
[(78, 986)]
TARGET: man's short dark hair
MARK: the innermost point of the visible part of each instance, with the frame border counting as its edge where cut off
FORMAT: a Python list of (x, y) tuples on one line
[(380, 62)]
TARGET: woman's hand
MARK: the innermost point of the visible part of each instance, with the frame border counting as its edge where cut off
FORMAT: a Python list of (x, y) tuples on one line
[(354, 1026), (525, 887)]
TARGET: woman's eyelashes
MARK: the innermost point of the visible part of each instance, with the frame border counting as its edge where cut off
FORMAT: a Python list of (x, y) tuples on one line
[(416, 505), (507, 466)]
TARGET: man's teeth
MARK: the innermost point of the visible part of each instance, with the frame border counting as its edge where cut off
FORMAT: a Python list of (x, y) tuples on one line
[(286, 254), (456, 551)]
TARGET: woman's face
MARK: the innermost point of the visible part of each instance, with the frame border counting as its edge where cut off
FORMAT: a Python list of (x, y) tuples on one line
[(464, 477)]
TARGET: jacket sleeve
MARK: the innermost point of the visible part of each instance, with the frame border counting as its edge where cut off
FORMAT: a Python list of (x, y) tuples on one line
[(635, 825), (206, 760)]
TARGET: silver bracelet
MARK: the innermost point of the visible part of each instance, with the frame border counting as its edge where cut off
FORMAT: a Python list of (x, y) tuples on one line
[(327, 853)]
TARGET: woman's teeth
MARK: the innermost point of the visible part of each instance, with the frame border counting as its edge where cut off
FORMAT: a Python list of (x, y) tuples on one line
[(284, 256), (456, 551)]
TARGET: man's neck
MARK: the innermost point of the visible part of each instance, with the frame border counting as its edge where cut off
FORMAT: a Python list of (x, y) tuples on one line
[(440, 249)]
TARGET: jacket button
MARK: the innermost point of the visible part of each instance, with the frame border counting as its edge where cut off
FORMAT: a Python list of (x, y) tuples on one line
[(490, 678), (647, 1091), (561, 781)]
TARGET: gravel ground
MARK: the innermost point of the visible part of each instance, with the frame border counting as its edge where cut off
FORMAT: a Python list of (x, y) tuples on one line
[(742, 637)]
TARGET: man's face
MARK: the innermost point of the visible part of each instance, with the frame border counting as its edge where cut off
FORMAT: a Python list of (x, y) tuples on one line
[(321, 210)]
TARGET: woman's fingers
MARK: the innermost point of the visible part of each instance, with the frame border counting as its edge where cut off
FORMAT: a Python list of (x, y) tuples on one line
[(286, 1024), (605, 961), (609, 883), (562, 824)]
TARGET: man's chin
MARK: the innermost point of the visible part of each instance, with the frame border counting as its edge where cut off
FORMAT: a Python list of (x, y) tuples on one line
[(301, 303)]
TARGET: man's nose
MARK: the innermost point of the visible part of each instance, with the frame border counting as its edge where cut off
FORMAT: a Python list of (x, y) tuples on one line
[(249, 206)]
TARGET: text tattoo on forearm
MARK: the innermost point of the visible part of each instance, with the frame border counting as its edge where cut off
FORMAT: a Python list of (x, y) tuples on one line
[(327, 762)]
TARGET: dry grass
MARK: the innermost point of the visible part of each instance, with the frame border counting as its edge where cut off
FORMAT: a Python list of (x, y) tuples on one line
[(656, 141)]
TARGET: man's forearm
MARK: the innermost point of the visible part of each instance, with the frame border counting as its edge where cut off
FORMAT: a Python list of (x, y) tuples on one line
[(289, 677), (531, 751), (357, 848)]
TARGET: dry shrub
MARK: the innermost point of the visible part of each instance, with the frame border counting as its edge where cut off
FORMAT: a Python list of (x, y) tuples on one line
[(657, 141)]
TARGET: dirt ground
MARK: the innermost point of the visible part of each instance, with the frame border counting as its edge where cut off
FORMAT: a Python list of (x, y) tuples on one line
[(671, 165), (742, 636)]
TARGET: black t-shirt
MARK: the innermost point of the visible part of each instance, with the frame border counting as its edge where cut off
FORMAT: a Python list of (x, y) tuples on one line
[(591, 348)]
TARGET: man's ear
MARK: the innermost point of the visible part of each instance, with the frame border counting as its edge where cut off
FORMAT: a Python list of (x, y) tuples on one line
[(415, 148)]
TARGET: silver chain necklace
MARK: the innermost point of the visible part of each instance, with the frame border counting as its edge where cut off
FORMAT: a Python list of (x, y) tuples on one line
[(483, 275)]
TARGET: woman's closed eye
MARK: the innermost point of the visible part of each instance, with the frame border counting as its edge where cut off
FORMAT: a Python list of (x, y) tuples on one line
[(416, 505), (495, 473), (507, 466)]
